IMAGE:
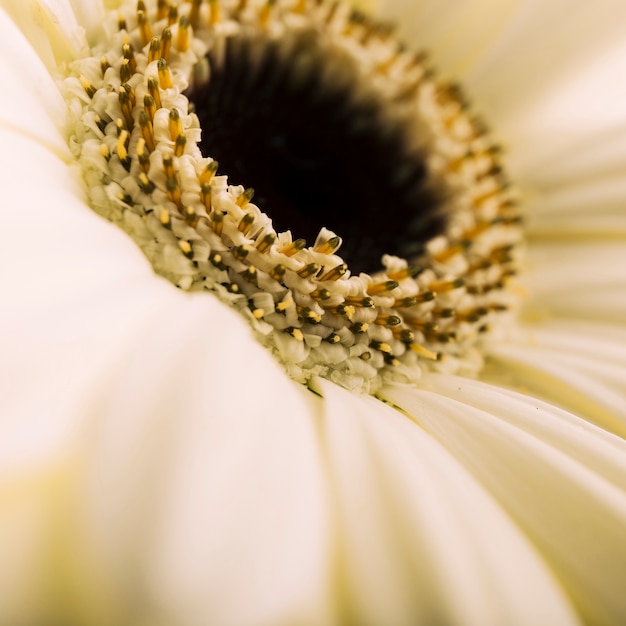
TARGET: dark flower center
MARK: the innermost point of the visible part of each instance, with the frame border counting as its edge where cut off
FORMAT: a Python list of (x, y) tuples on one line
[(293, 121)]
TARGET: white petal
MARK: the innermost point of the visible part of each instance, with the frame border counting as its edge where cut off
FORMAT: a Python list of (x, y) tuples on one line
[(146, 426), (420, 540), (584, 279), (30, 102), (580, 366), (51, 28), (562, 480)]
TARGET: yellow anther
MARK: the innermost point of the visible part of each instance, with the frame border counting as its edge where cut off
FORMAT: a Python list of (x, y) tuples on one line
[(141, 5), (125, 72), (321, 294), (335, 273), (165, 78), (168, 166), (205, 194), (180, 144), (309, 270), (194, 14), (129, 54), (147, 186), (122, 149), (208, 172), (90, 90), (143, 156), (245, 224), (186, 248), (329, 246), (149, 106), (173, 191), (217, 260), (405, 335), (360, 301), (424, 352), (333, 338), (104, 151), (166, 43), (358, 328), (441, 286), (241, 252), (164, 218), (385, 319), (376, 289), (172, 15), (154, 91), (162, 7), (145, 28), (217, 222), (190, 215), (407, 272), (345, 310), (296, 333), (175, 124), (127, 108), (121, 22), (154, 50), (104, 64), (214, 14), (266, 242), (183, 36), (147, 131), (258, 313), (266, 13), (381, 346), (308, 315), (293, 248), (250, 275), (244, 199), (131, 93), (278, 271)]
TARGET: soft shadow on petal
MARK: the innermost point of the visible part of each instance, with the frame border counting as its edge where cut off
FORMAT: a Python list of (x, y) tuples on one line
[(580, 366), (561, 479), (30, 102), (145, 437), (585, 279), (50, 26), (420, 541)]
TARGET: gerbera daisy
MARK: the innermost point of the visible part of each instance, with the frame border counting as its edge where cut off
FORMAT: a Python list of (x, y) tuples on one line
[(157, 464)]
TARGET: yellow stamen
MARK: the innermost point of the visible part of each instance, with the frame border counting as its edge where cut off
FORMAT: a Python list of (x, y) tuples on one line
[(154, 91), (173, 191), (162, 7), (165, 78), (278, 271), (214, 15), (147, 131), (165, 219), (172, 15), (143, 156), (149, 106), (424, 352), (90, 90), (168, 166), (166, 43), (154, 50), (205, 194), (127, 108), (384, 319), (129, 54), (266, 243), (441, 286), (241, 252), (336, 273), (245, 224), (122, 149), (309, 270), (330, 246), (361, 301), (217, 222), (208, 172), (183, 36), (244, 199), (186, 248), (194, 14), (376, 289), (125, 72), (180, 144), (293, 248), (145, 28)]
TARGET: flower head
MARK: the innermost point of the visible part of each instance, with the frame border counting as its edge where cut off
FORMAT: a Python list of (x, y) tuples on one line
[(157, 465)]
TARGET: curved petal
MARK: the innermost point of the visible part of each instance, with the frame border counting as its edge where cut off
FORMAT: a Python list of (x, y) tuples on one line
[(420, 540), (561, 479), (148, 466), (579, 366)]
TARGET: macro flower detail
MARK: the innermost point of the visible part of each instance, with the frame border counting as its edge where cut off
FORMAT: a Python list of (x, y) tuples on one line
[(157, 464), (179, 99)]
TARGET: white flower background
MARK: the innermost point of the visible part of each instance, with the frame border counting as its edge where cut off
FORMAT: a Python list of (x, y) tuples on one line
[(156, 465)]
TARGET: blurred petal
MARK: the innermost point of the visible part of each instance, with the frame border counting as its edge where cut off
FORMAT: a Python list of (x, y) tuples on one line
[(439, 550), (562, 480), (577, 365)]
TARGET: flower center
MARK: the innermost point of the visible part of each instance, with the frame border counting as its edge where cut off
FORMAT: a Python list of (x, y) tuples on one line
[(292, 119), (337, 126)]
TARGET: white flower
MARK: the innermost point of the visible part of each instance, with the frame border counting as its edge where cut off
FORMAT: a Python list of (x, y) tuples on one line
[(157, 466)]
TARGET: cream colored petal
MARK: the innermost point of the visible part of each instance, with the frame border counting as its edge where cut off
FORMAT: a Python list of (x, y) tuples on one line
[(584, 279), (155, 463), (51, 28), (30, 102), (580, 366), (562, 480), (420, 541)]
